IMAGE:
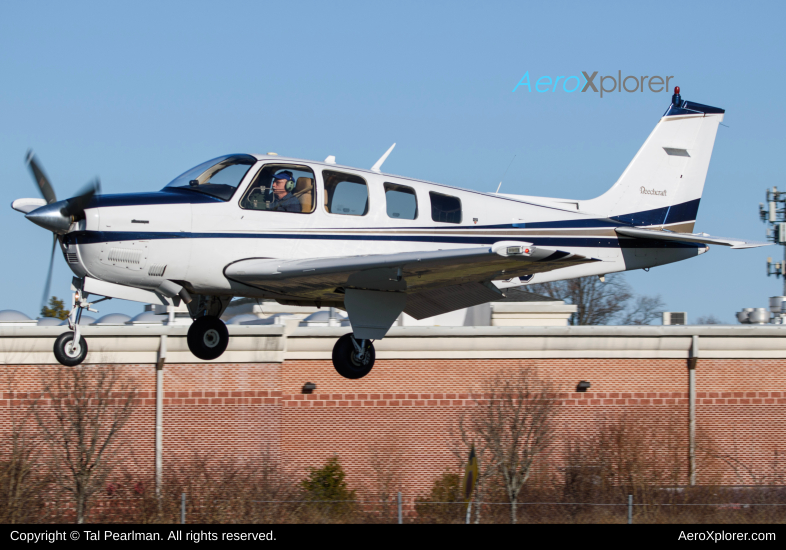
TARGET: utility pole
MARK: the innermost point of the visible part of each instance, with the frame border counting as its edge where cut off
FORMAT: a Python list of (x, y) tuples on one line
[(773, 213)]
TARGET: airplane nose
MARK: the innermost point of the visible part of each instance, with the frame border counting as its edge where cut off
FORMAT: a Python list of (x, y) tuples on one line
[(51, 217)]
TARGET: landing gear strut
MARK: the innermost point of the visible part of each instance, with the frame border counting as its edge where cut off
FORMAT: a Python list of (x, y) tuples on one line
[(353, 358), (208, 337), (70, 347)]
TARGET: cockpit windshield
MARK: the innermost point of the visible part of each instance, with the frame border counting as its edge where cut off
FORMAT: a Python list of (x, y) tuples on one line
[(218, 177)]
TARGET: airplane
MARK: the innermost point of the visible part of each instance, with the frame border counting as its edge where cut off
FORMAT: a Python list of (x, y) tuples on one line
[(373, 244)]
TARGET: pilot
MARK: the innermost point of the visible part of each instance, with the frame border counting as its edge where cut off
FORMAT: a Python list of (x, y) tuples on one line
[(283, 199)]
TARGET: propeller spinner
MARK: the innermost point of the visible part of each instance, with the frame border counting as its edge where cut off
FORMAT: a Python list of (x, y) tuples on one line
[(56, 216)]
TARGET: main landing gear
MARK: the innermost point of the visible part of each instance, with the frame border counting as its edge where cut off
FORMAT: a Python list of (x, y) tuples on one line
[(208, 337), (353, 358)]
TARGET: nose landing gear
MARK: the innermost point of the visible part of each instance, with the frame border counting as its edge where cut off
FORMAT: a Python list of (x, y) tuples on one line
[(70, 351), (208, 337), (70, 347), (353, 359)]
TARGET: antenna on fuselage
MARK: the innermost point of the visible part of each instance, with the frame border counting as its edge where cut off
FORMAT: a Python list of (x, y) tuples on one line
[(503, 175), (383, 158)]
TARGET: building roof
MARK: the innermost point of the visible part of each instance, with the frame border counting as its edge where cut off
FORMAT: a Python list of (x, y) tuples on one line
[(516, 295)]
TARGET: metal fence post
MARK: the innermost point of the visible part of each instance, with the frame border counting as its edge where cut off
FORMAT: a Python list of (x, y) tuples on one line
[(630, 509), (400, 514), (183, 508)]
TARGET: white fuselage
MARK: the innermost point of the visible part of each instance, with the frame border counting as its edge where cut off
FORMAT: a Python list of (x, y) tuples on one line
[(142, 239)]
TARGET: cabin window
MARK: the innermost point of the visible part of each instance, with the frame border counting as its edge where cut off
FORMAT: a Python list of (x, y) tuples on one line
[(218, 177), (445, 208), (281, 188), (402, 203), (345, 194)]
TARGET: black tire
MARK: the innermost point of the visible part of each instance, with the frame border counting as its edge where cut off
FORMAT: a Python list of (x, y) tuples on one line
[(345, 362), (208, 338), (65, 353)]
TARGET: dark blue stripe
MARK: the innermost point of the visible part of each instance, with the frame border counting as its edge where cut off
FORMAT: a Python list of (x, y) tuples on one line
[(85, 237), (691, 108), (168, 196), (677, 213), (685, 212), (702, 108), (563, 224)]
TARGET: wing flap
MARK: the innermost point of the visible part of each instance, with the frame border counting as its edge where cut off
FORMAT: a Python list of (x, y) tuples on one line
[(703, 238), (437, 301)]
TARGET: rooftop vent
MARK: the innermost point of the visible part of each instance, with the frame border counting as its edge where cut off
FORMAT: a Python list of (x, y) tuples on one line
[(675, 318), (753, 316)]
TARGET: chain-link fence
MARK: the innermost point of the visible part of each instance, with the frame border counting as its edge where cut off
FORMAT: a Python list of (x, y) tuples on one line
[(408, 510)]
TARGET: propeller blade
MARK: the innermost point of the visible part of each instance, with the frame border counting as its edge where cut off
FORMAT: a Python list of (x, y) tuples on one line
[(49, 274), (57, 217), (40, 178), (75, 206)]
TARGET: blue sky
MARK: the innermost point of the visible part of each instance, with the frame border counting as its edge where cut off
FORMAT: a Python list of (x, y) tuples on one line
[(137, 93)]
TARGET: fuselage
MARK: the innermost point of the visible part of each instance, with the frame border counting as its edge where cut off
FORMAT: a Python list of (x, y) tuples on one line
[(181, 234)]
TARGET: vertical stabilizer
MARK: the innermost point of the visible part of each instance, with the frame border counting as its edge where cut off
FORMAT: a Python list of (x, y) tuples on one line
[(663, 183)]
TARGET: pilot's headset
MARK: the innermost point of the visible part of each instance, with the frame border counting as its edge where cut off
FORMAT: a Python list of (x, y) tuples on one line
[(285, 175)]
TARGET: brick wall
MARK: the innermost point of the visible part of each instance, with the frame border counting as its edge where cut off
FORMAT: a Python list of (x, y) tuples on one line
[(400, 417)]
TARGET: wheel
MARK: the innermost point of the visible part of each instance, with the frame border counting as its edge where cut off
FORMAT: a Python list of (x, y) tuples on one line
[(66, 352), (346, 360), (208, 337)]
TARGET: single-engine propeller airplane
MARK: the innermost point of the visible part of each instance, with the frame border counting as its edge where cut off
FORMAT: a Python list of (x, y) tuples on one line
[(373, 244)]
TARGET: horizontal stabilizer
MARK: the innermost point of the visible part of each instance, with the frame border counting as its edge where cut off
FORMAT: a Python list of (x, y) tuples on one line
[(704, 238)]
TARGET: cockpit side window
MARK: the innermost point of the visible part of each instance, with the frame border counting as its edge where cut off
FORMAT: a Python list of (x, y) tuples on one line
[(345, 194), (218, 178), (281, 188), (445, 208)]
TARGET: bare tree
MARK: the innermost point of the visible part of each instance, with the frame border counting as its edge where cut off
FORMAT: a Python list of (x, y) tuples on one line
[(642, 311), (87, 409), (603, 303), (387, 477), (22, 479), (708, 320), (513, 423)]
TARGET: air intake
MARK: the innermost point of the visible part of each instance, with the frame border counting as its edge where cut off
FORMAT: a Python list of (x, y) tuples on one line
[(156, 270), (72, 258), (124, 256)]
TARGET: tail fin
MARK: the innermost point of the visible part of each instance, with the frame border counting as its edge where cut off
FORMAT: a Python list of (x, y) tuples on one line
[(663, 183)]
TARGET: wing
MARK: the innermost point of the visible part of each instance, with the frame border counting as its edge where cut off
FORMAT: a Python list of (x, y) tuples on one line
[(325, 279), (686, 237)]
